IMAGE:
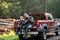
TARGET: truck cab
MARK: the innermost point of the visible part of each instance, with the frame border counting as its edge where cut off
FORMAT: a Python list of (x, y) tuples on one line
[(42, 19)]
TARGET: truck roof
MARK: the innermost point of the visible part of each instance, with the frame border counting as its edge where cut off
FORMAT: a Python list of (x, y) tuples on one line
[(39, 13), (47, 14), (36, 13)]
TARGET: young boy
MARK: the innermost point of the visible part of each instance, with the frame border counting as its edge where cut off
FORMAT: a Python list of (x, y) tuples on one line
[(20, 25)]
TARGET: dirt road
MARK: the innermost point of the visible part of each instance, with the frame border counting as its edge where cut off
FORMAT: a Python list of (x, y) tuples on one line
[(49, 37), (54, 38)]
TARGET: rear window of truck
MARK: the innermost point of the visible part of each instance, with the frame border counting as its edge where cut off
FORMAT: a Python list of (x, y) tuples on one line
[(38, 16)]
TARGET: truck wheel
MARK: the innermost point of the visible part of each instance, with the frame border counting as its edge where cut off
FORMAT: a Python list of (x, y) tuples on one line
[(43, 35), (20, 37), (57, 32)]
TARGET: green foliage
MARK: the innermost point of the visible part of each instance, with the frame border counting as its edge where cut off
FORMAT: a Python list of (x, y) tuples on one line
[(54, 7), (13, 37), (3, 9), (8, 9), (14, 8)]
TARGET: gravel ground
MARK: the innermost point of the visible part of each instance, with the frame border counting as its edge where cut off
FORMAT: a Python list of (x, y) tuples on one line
[(51, 36), (54, 38)]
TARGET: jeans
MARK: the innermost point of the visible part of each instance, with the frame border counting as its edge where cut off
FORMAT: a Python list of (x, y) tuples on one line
[(26, 28)]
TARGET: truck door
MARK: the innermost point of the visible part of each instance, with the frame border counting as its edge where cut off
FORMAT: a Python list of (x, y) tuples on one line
[(50, 22)]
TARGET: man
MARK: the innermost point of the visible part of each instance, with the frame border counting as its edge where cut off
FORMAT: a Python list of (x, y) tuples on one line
[(29, 21)]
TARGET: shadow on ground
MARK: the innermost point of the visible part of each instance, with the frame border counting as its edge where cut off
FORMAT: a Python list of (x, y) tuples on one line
[(34, 38)]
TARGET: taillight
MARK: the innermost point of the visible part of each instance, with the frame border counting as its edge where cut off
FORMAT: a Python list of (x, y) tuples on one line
[(15, 24)]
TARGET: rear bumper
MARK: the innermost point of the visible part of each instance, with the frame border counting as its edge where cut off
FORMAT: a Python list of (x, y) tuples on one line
[(30, 33)]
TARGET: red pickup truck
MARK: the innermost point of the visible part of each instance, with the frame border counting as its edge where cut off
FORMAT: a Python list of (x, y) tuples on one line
[(43, 24)]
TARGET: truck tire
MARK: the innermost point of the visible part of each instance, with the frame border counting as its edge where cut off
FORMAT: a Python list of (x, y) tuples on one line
[(42, 36), (20, 37), (57, 32)]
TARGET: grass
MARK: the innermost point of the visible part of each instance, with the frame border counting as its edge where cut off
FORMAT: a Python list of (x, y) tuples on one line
[(10, 36)]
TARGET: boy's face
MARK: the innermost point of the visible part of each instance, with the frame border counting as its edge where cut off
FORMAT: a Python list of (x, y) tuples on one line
[(21, 18)]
